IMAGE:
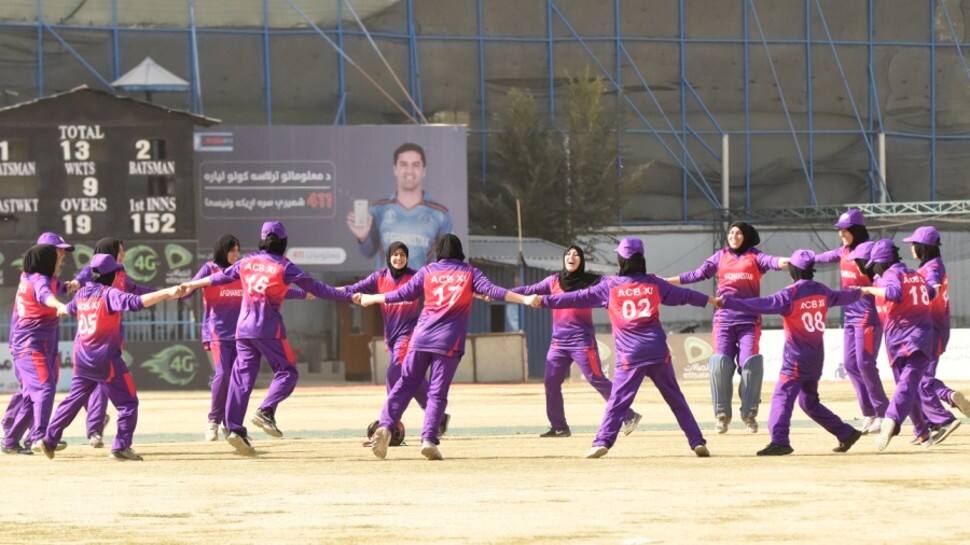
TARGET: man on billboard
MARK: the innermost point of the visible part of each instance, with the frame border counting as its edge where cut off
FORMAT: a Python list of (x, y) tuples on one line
[(407, 216)]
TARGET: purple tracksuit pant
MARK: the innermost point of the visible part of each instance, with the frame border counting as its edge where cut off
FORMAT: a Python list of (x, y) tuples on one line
[(558, 361), (626, 383), (860, 348), (440, 370), (395, 369), (97, 408), (787, 389), (37, 370), (908, 371), (223, 357), (120, 390), (243, 378)]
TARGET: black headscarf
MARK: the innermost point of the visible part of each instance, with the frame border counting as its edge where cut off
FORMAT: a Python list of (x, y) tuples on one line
[(801, 274), (393, 247), (861, 264), (273, 244), (449, 247), (879, 268), (220, 253), (751, 237), (635, 264), (109, 245), (578, 279), (859, 235), (41, 259), (926, 252)]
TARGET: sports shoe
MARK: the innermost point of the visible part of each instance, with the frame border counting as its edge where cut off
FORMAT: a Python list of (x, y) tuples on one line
[(958, 400), (886, 433), (17, 450), (95, 440), (61, 445), (702, 451), (430, 451), (875, 426), (126, 455), (630, 426), (553, 432), (774, 449), (267, 422), (597, 451), (723, 421), (41, 446), (241, 444), (379, 442), (945, 431), (866, 422), (212, 432), (443, 425), (751, 424), (844, 446)]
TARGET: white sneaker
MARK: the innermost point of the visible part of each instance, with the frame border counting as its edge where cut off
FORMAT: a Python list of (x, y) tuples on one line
[(95, 440), (430, 451), (723, 421), (702, 451), (875, 427), (379, 442), (866, 423), (885, 435), (960, 402), (597, 451), (630, 426), (751, 424), (241, 444), (212, 432)]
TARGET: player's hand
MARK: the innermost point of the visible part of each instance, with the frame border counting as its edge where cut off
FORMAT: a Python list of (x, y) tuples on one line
[(184, 289), (310, 296), (62, 311), (675, 280), (73, 286), (481, 297), (359, 232), (356, 298), (367, 300), (715, 302), (783, 261)]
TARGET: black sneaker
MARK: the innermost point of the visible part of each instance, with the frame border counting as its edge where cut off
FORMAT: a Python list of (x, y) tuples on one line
[(267, 422), (443, 425), (557, 433), (844, 446), (774, 449), (17, 450)]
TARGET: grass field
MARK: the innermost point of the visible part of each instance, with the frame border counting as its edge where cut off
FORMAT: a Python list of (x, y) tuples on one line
[(499, 482)]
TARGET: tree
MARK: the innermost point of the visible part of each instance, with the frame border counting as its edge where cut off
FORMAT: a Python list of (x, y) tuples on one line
[(566, 180)]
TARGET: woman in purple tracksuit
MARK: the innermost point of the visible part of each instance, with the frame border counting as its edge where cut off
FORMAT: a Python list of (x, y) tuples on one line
[(265, 278), (573, 340), (903, 302), (633, 299), (804, 307), (926, 249), (399, 321), (438, 341), (737, 335), (97, 355), (33, 345), (18, 415), (97, 405), (220, 313), (861, 329)]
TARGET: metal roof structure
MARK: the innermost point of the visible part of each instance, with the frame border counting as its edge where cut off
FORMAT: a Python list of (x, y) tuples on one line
[(149, 76)]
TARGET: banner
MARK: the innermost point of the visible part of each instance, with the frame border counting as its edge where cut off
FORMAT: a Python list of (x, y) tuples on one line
[(154, 366), (343, 193), (153, 263)]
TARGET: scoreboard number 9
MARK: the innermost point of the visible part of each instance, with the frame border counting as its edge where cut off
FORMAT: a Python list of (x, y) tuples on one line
[(77, 224)]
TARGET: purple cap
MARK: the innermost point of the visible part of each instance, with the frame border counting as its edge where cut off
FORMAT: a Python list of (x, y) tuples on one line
[(629, 246), (882, 252), (803, 259), (852, 216), (926, 234), (104, 264), (862, 251), (272, 228), (54, 240)]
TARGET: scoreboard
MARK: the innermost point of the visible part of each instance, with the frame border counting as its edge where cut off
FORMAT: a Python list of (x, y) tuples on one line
[(90, 181)]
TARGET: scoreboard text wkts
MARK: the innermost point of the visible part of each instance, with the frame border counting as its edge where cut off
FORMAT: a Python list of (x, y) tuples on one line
[(88, 164)]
